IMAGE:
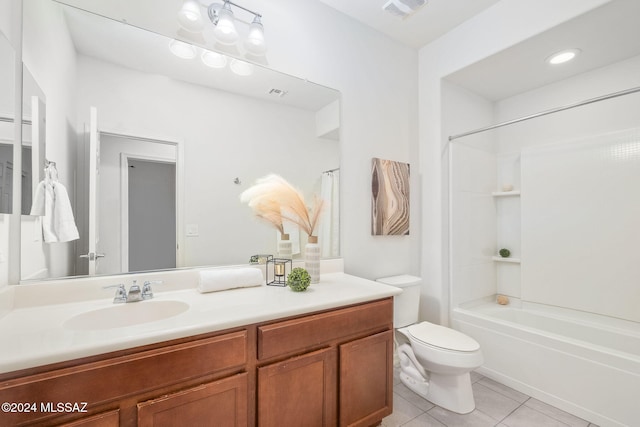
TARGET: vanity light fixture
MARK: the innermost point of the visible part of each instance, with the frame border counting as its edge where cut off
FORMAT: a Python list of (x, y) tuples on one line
[(225, 31), (563, 56), (255, 40), (190, 17), (222, 17)]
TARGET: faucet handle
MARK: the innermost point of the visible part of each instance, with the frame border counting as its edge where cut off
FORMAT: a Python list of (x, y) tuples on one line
[(147, 292), (121, 293)]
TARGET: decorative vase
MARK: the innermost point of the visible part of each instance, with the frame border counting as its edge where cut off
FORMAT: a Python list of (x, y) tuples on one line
[(312, 258), (284, 247)]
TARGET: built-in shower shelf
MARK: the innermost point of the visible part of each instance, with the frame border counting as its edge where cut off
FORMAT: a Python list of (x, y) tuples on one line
[(514, 193), (511, 260)]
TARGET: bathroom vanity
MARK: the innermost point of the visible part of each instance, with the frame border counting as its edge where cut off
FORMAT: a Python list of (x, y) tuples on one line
[(323, 357)]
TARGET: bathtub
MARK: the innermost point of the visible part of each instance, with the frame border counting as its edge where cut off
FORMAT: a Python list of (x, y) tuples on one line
[(585, 364)]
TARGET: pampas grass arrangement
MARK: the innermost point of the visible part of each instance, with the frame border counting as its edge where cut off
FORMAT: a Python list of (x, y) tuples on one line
[(274, 200)]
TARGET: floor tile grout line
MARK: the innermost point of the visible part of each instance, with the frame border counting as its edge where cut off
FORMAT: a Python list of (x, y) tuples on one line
[(554, 418), (509, 414)]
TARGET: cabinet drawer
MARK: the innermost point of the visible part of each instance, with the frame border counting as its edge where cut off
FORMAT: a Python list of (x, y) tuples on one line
[(220, 403), (119, 377), (107, 419), (311, 332)]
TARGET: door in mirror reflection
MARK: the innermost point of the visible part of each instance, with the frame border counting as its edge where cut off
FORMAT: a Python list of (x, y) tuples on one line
[(130, 201), (151, 214)]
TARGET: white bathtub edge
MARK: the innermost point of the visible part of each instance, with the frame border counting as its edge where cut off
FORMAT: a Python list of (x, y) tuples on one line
[(578, 411)]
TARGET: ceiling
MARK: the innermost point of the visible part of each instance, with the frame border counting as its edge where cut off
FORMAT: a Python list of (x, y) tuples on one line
[(605, 35), (431, 21)]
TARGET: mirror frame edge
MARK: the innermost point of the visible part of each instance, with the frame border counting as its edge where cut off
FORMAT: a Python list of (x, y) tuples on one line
[(15, 218)]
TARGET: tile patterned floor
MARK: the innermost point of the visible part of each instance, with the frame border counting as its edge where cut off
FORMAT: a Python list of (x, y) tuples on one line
[(496, 406)]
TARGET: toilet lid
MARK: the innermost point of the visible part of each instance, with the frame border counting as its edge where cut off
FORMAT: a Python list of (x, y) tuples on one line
[(439, 336)]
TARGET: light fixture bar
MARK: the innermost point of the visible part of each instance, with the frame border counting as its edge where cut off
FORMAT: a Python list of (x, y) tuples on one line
[(213, 14), (244, 8)]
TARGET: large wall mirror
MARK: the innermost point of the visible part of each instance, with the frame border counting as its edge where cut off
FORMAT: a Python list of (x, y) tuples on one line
[(154, 148), (7, 115)]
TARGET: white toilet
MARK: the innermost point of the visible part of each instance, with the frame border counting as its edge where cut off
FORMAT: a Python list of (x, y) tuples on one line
[(435, 361)]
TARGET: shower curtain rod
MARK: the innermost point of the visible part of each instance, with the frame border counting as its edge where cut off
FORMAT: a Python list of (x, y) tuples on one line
[(331, 170), (546, 112)]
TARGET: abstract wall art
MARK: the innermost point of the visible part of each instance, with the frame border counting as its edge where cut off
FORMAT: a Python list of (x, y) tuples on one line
[(389, 197)]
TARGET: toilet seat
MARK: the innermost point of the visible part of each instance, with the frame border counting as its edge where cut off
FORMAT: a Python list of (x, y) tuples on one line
[(441, 337)]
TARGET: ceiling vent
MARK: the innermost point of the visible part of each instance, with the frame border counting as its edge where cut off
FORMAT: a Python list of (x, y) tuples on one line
[(403, 8), (278, 92)]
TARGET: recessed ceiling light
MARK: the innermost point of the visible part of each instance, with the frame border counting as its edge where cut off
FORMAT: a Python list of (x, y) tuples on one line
[(563, 56)]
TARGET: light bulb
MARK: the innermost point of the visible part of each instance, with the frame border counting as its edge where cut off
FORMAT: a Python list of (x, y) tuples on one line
[(562, 57), (189, 16), (225, 31), (255, 40), (213, 59)]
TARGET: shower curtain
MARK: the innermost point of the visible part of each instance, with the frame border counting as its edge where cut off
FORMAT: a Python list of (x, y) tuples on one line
[(329, 235)]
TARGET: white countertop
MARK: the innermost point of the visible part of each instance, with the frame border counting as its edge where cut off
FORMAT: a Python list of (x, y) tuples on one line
[(35, 335)]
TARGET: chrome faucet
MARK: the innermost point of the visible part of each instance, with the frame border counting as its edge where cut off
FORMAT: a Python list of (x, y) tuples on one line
[(147, 292), (135, 294)]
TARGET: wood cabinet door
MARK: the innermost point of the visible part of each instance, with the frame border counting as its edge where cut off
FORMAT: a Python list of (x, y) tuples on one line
[(106, 419), (366, 380), (218, 404), (300, 391)]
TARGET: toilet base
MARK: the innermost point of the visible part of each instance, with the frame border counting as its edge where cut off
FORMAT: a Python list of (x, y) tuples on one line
[(451, 392), (420, 387)]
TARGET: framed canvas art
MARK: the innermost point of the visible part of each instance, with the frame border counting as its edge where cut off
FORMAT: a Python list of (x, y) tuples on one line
[(389, 197)]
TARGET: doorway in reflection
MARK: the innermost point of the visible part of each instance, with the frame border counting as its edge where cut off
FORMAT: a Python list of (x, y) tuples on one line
[(135, 219), (151, 214)]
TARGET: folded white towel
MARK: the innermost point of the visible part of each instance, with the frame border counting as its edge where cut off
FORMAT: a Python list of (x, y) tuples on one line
[(220, 279)]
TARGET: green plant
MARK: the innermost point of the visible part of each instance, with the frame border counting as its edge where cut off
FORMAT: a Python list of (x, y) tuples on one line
[(299, 279), (504, 253)]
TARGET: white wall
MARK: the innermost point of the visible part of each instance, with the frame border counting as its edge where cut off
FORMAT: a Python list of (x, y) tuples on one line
[(580, 234), (499, 27), (471, 239), (578, 181), (593, 119), (379, 84)]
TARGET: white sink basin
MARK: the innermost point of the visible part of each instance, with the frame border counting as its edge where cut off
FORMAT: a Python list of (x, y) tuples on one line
[(129, 314)]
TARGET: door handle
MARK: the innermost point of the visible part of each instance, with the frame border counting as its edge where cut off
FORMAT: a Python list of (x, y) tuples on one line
[(92, 256)]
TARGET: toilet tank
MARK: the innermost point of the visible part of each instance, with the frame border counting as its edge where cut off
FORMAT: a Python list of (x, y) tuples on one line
[(405, 305)]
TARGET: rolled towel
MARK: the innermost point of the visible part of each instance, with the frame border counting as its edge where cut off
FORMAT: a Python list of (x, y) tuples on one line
[(220, 279)]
